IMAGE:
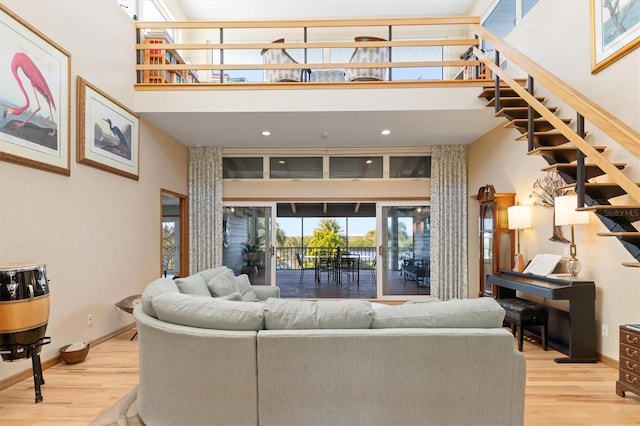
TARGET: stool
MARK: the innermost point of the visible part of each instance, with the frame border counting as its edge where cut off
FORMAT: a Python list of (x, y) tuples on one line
[(520, 313), (127, 304)]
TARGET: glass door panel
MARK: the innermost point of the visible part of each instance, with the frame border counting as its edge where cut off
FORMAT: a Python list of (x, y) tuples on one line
[(248, 242), (404, 265)]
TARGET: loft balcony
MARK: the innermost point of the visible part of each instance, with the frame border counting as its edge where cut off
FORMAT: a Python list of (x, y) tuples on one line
[(328, 74)]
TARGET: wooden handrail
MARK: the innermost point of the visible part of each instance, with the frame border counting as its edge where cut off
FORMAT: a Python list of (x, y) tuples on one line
[(612, 171), (318, 23), (619, 131)]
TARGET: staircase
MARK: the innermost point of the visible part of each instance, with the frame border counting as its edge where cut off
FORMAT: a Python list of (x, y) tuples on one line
[(567, 152)]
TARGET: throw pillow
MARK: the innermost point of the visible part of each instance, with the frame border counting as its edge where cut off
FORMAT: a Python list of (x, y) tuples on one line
[(483, 312), (209, 312), (208, 274), (233, 296), (156, 287), (244, 286), (222, 284), (193, 284)]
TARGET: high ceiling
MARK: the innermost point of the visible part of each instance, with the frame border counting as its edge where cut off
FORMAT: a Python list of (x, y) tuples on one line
[(349, 126)]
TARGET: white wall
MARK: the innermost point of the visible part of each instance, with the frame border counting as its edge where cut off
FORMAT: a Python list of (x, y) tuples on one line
[(556, 35), (98, 233)]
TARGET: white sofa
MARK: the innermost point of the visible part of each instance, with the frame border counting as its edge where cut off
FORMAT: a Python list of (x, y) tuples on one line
[(208, 361)]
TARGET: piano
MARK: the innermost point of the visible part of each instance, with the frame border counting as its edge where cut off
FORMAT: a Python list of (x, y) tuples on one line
[(572, 333)]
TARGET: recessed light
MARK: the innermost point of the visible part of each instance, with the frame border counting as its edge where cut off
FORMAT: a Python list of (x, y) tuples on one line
[(369, 161), (385, 132), (266, 133), (282, 162)]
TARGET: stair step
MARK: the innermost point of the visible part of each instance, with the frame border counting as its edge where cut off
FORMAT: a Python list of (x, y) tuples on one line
[(621, 214), (539, 124), (505, 92), (568, 170), (515, 101), (631, 264), (560, 154), (599, 192), (549, 138), (519, 112)]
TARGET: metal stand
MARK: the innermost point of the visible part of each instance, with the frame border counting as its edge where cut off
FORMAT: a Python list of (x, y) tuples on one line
[(36, 366)]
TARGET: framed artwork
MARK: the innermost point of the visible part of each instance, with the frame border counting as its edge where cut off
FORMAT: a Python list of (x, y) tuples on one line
[(35, 97), (615, 31), (107, 132)]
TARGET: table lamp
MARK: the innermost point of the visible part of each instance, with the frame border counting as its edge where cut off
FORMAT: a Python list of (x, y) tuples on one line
[(519, 217), (566, 214)]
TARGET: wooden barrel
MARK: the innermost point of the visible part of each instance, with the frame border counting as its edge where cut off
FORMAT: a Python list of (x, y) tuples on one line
[(24, 309)]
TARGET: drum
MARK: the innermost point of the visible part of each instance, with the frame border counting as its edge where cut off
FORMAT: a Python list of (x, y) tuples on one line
[(24, 309)]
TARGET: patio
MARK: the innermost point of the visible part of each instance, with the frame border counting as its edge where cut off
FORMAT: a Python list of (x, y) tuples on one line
[(291, 287)]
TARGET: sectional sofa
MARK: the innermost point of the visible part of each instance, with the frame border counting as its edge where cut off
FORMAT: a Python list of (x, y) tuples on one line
[(215, 350)]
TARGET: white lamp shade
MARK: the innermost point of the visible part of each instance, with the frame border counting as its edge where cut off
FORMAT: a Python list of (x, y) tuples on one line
[(565, 211), (519, 217)]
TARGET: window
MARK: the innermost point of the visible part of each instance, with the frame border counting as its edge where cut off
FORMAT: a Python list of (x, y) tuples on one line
[(295, 168), (355, 167), (410, 167), (504, 16), (242, 168)]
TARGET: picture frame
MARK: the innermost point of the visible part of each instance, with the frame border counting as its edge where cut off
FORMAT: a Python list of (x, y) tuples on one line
[(35, 93), (611, 39), (108, 132)]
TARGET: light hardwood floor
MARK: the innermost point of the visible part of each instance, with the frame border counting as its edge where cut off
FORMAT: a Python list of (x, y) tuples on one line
[(556, 394)]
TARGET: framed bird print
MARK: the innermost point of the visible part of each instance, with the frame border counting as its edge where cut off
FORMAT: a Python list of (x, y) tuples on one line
[(108, 132), (34, 96)]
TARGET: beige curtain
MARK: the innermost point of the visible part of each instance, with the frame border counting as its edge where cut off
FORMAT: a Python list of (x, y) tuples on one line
[(449, 259), (205, 208)]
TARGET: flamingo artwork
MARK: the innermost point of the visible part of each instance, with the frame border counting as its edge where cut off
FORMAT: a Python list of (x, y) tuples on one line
[(21, 61)]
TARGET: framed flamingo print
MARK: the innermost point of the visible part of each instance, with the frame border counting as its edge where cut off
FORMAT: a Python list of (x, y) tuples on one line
[(34, 96), (107, 132)]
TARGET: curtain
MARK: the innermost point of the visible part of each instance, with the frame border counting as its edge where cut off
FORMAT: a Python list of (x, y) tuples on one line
[(449, 257), (205, 208)]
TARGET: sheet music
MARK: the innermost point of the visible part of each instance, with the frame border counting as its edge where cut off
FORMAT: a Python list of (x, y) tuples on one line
[(542, 264)]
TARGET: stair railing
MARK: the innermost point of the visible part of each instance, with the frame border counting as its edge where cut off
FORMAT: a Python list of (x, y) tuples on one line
[(606, 122)]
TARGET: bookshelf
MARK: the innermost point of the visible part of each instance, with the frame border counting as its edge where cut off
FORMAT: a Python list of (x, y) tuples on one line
[(164, 56)]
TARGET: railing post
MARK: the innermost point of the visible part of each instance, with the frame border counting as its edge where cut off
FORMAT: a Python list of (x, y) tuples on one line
[(530, 114), (221, 55), (389, 48), (497, 83), (580, 171)]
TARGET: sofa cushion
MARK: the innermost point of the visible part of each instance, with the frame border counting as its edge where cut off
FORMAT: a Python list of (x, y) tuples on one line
[(156, 287), (281, 314), (223, 284), (245, 289), (193, 284), (233, 296), (483, 312), (207, 274), (209, 312)]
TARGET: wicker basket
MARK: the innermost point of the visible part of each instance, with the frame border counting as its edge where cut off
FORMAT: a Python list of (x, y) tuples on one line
[(74, 357)]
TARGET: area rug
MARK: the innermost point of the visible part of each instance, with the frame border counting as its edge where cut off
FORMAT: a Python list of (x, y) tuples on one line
[(122, 413)]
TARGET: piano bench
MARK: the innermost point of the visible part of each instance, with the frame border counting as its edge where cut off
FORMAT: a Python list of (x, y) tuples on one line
[(521, 313)]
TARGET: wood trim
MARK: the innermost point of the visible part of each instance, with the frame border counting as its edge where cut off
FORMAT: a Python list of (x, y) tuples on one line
[(329, 23), (612, 126), (205, 87), (589, 110)]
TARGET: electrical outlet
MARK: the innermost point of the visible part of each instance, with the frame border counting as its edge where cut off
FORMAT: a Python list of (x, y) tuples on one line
[(89, 320), (605, 331)]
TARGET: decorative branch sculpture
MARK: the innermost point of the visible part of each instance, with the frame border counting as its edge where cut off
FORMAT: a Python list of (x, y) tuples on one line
[(544, 191)]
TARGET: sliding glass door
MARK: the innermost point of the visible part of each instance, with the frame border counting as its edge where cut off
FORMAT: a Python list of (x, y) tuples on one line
[(403, 249), (248, 241)]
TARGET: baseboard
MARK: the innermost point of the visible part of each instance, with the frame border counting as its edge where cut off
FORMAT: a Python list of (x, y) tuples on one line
[(609, 361), (50, 362)]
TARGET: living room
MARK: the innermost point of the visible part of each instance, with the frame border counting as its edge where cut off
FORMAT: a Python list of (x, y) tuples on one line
[(93, 260)]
